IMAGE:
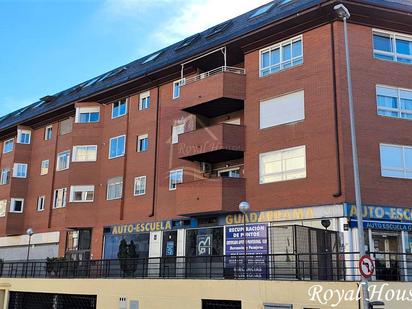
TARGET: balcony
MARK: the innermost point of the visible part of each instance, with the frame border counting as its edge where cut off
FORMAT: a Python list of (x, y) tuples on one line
[(210, 196), (214, 93), (219, 143)]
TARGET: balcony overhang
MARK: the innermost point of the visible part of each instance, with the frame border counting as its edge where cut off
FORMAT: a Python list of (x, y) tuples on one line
[(210, 196), (219, 143)]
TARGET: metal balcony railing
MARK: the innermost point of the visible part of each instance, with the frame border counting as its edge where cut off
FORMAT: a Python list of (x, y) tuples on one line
[(193, 79), (318, 266)]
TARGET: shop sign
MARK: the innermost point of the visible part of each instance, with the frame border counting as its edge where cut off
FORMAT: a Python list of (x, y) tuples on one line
[(256, 247), (381, 213), (204, 245), (141, 227), (292, 214), (383, 225)]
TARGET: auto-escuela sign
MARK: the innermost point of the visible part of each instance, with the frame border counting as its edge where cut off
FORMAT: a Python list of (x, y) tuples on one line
[(256, 247)]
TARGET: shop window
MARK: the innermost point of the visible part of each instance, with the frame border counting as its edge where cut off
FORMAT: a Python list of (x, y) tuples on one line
[(204, 242), (78, 244)]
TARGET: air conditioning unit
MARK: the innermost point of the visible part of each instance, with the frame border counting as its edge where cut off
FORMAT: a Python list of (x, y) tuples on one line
[(205, 167)]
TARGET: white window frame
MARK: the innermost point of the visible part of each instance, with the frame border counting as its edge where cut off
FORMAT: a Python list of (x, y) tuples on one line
[(16, 167), (175, 132), (87, 110), (93, 156), (139, 139), (144, 97), (5, 172), (111, 182), (3, 208), (398, 110), (46, 133), (171, 188), (120, 115), (281, 63), (285, 109), (58, 167), (178, 83), (137, 183), (43, 169), (393, 36), (41, 203), (6, 142), (20, 133), (64, 198), (284, 172), (85, 189), (13, 205), (124, 148), (404, 170)]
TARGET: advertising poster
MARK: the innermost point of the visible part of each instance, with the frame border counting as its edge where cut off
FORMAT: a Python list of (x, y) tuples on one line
[(256, 250)]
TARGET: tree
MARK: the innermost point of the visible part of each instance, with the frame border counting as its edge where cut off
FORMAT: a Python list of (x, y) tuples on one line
[(132, 255), (123, 255)]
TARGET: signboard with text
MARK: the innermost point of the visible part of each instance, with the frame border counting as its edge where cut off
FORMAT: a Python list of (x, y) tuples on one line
[(256, 250)]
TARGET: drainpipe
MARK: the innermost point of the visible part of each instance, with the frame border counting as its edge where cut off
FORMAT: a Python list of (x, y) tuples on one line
[(155, 154)]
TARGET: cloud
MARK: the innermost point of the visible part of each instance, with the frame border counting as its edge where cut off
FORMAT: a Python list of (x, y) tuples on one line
[(199, 15), (176, 19)]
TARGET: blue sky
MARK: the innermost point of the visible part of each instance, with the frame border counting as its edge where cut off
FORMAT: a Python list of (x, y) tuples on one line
[(50, 45)]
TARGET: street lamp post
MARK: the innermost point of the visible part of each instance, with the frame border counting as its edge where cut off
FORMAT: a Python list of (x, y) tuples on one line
[(344, 14), (244, 208), (29, 233)]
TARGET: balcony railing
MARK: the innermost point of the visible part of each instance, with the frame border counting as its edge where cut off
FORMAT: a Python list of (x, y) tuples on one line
[(193, 79), (304, 267)]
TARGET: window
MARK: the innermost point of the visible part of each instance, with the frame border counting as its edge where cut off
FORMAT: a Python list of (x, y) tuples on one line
[(144, 101), (119, 109), (66, 126), (394, 102), (79, 194), (48, 133), (396, 161), (140, 185), (20, 170), (176, 88), (392, 46), (8, 145), (117, 146), (63, 160), (142, 143), (176, 131), (151, 57), (262, 10), (87, 114), (84, 153), (189, 41), (219, 28), (115, 188), (3, 208), (282, 165), (59, 199), (5, 176), (44, 168), (16, 205), (175, 177), (232, 173), (41, 203), (285, 109), (281, 56), (23, 136)]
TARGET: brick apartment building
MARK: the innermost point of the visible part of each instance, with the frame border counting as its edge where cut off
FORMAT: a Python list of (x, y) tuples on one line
[(162, 150)]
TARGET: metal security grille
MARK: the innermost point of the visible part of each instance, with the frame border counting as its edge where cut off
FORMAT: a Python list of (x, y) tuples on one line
[(24, 300), (221, 304)]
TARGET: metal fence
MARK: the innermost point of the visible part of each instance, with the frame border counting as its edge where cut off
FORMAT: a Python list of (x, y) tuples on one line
[(322, 267)]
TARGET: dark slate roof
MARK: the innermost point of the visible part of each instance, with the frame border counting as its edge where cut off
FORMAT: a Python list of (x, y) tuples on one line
[(203, 41)]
